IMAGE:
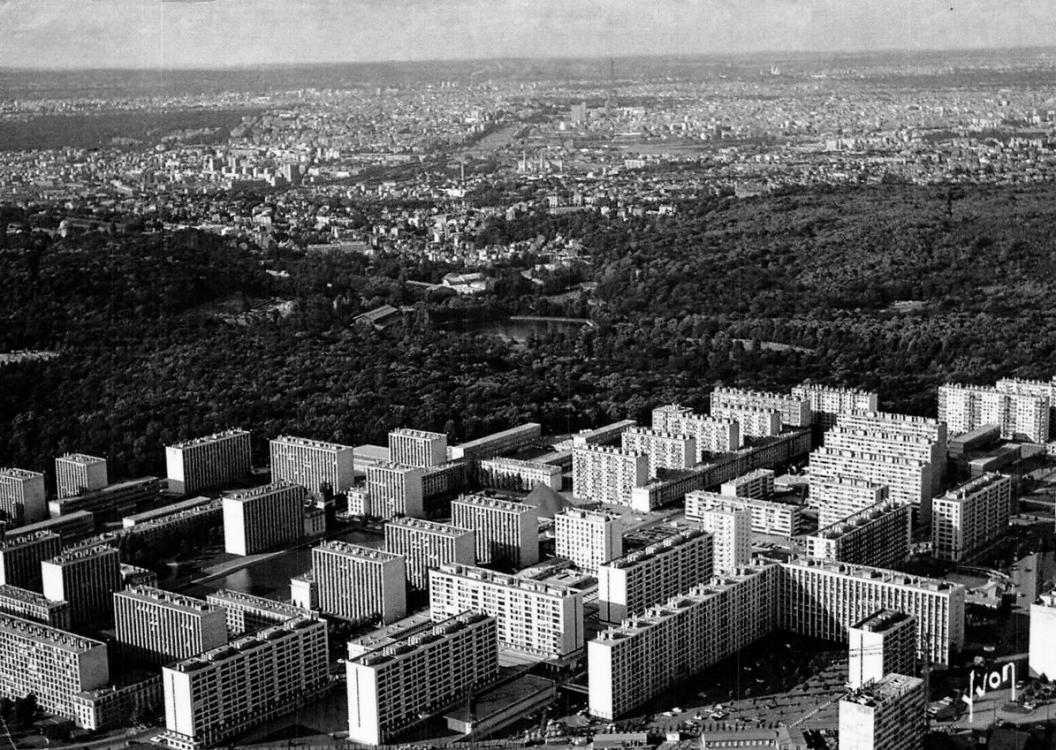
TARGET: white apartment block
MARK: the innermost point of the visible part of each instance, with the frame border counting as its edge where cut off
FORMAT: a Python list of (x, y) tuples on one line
[(886, 715), (730, 526), (392, 686), (1043, 388), (246, 613), (498, 443), (21, 556), (417, 448), (312, 464), (879, 536), (630, 584), (665, 451), (395, 490), (427, 544), (208, 462), (768, 516), (795, 412), (516, 474), (1042, 659), (358, 583), (629, 664), (223, 692), (22, 497), (822, 599), (605, 435), (970, 517), (882, 643), (52, 664), (262, 518), (711, 434), (155, 627), (87, 578), (753, 421), (506, 533), (1020, 414), (607, 475), (828, 403), (76, 473), (588, 538), (539, 617), (758, 485), (840, 497)]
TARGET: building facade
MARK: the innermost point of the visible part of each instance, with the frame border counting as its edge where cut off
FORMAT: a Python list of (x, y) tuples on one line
[(607, 475), (730, 526), (886, 715), (87, 578), (840, 497), (76, 473), (710, 433), (208, 462), (971, 517), (31, 605), (587, 538), (506, 533), (246, 613), (753, 421), (757, 485), (1020, 413), (829, 403), (155, 627), (538, 617), (262, 518), (417, 448), (515, 474), (313, 464), (665, 451), (359, 583), (22, 498), (21, 556), (882, 643), (395, 490), (428, 544), (795, 412), (879, 536)]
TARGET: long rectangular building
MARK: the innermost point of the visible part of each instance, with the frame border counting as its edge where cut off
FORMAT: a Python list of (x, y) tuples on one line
[(515, 474), (498, 443), (261, 518), (506, 533), (828, 403), (86, 577), (665, 450), (630, 584), (34, 606), (428, 544), (52, 664), (1020, 413), (155, 627), (651, 651), (710, 434), (223, 692), (839, 497), (392, 687), (246, 613), (878, 536), (538, 617), (795, 412), (357, 583), (208, 462), (111, 501), (317, 466), (971, 517), (607, 475)]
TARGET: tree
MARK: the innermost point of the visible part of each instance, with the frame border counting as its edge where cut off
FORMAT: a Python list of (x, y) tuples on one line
[(26, 710)]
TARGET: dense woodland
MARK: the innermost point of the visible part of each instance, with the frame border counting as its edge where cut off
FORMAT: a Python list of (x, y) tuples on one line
[(892, 288)]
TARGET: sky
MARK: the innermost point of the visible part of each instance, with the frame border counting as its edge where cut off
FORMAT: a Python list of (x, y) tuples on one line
[(231, 33)]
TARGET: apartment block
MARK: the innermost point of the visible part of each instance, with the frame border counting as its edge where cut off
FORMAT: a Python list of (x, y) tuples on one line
[(607, 475), (86, 577), (971, 517), (223, 692), (882, 643), (730, 526), (110, 502), (32, 605), (194, 516), (506, 533), (155, 627), (317, 466), (539, 617), (417, 447), (22, 498), (665, 451), (753, 421), (629, 664), (392, 686), (757, 485), (262, 518), (52, 664), (358, 583), (77, 473), (70, 528), (1042, 659), (605, 435), (21, 556), (1043, 388), (515, 474), (879, 536), (840, 497), (630, 584), (395, 490), (886, 715), (822, 599), (208, 462), (245, 613), (795, 412), (427, 544), (587, 538), (710, 433), (828, 403), (499, 443), (1020, 413), (768, 516)]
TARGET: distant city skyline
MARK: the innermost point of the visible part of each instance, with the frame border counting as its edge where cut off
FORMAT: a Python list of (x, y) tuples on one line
[(239, 33)]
